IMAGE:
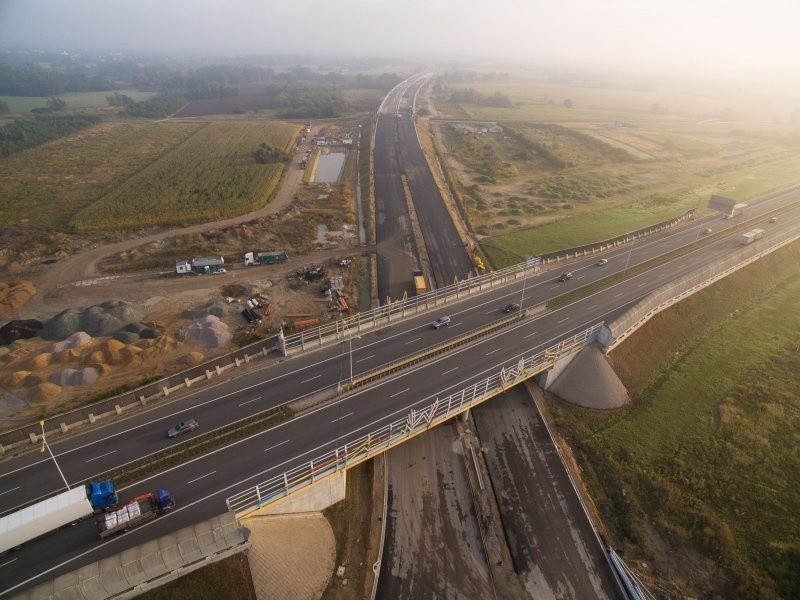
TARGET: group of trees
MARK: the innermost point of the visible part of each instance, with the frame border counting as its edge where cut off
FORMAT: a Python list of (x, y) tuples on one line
[(158, 106), (267, 155), (27, 133), (53, 105), (470, 96), (302, 101), (35, 80)]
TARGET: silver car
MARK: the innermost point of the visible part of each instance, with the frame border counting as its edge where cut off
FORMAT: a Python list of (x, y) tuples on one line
[(182, 427), (440, 322)]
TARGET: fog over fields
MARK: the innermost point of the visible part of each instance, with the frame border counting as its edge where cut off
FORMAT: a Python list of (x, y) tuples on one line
[(718, 38)]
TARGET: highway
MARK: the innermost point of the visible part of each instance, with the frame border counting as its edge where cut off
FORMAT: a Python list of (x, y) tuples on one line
[(201, 485)]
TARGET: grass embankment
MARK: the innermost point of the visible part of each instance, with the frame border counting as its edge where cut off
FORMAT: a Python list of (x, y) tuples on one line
[(699, 478), (228, 579)]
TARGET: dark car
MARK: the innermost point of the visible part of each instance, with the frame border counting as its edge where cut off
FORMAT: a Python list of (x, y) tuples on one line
[(509, 308), (565, 276), (440, 322), (182, 427)]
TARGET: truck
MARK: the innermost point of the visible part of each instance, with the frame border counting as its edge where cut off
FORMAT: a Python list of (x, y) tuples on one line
[(265, 258), (748, 237), (419, 282), (136, 512), (48, 515)]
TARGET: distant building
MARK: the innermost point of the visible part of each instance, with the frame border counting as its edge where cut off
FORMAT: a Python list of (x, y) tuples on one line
[(183, 266)]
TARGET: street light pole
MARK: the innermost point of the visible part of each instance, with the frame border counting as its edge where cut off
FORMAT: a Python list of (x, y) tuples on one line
[(46, 445), (524, 279)]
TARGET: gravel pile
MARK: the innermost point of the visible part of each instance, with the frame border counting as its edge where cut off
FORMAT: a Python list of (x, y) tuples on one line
[(76, 340), (209, 331), (99, 320), (74, 377)]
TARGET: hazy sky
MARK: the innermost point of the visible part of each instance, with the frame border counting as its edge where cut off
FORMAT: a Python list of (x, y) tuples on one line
[(747, 36)]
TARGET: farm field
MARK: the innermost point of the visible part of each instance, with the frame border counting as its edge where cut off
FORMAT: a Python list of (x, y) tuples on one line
[(699, 477), (541, 177), (24, 104), (124, 175)]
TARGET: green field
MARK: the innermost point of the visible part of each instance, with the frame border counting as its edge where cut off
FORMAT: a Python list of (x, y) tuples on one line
[(129, 174), (706, 459), (557, 177), (24, 104)]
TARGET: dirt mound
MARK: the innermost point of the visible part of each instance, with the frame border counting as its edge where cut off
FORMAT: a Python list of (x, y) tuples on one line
[(589, 381), (44, 392), (15, 379), (209, 331), (19, 330), (40, 361), (14, 296)]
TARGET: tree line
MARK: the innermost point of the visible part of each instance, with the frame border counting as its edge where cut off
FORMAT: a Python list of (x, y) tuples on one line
[(30, 132)]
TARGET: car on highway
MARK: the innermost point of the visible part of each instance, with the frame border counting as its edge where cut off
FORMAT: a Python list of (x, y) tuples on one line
[(509, 308), (601, 262), (565, 276), (182, 427), (440, 322), (707, 230), (773, 220)]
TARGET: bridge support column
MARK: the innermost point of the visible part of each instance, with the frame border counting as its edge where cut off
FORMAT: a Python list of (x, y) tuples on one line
[(464, 416)]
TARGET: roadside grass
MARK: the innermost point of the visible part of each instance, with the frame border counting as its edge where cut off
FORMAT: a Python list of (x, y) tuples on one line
[(707, 454), (621, 158), (227, 579), (24, 104)]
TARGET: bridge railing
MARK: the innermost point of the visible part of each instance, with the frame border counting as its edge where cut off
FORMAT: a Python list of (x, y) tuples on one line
[(359, 449)]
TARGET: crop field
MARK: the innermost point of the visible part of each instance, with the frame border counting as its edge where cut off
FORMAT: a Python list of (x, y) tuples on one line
[(557, 177), (700, 477), (210, 176), (131, 174), (24, 104)]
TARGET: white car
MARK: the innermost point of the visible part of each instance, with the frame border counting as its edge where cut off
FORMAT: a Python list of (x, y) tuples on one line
[(707, 230), (220, 271), (440, 322), (601, 262)]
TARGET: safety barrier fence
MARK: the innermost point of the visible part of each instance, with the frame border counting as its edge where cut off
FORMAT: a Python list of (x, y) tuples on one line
[(327, 333), (417, 421), (667, 295)]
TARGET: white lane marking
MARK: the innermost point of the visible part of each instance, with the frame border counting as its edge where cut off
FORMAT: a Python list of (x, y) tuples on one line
[(276, 445), (618, 295), (311, 378), (9, 491), (201, 477), (342, 417), (365, 358), (642, 284), (530, 335), (249, 401), (450, 370), (564, 319), (101, 456), (400, 392), (412, 341), (592, 306), (8, 562), (493, 351)]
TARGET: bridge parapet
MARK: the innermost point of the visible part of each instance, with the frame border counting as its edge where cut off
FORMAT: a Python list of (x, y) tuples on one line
[(362, 448)]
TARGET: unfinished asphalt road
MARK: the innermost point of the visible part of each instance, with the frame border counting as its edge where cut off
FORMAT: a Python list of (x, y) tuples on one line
[(556, 554)]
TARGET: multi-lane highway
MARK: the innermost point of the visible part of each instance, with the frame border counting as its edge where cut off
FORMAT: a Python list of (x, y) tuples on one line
[(201, 485)]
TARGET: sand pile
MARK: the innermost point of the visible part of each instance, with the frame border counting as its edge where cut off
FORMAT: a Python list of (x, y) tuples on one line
[(13, 296), (589, 381)]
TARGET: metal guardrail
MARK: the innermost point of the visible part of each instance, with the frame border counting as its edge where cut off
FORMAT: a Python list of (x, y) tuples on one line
[(362, 448)]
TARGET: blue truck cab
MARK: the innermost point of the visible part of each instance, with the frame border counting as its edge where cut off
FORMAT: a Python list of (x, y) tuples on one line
[(164, 500), (102, 494)]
